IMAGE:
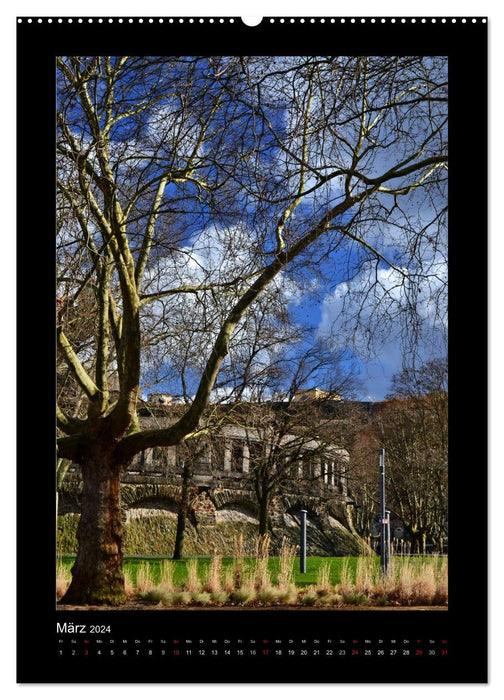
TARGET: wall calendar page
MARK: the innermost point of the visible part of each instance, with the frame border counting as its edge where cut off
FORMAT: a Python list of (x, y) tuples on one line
[(249, 243)]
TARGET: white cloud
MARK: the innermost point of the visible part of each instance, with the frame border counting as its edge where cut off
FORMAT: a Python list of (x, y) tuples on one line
[(182, 328)]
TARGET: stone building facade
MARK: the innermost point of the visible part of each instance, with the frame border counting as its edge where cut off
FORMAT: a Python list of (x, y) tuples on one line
[(222, 489)]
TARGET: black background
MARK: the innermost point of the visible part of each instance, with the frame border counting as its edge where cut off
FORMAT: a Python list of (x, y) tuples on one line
[(465, 622)]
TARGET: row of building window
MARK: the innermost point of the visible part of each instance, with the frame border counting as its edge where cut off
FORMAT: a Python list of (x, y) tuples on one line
[(239, 456)]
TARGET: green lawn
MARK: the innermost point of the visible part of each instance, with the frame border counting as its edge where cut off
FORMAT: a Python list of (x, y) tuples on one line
[(132, 564)]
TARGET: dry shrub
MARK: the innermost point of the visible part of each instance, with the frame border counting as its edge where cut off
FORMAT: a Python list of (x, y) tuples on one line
[(365, 575), (355, 598), (229, 579), (177, 598), (238, 560), (263, 545), (330, 599), (153, 595), (346, 579), (220, 596), (244, 594), (400, 580), (213, 583), (288, 595), (441, 575), (286, 566), (193, 582), (144, 578), (166, 575), (128, 584), (324, 578), (262, 573), (202, 598), (62, 579), (309, 596), (424, 585), (61, 587), (268, 594), (411, 582)]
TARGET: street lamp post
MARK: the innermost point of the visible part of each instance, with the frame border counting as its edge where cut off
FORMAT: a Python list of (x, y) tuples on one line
[(302, 548), (384, 520)]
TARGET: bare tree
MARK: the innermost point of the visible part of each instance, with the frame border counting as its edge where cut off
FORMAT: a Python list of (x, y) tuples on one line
[(193, 189), (412, 426), (289, 428), (414, 432)]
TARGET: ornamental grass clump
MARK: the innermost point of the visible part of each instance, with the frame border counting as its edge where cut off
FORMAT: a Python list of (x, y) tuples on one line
[(441, 576), (366, 575), (166, 575), (144, 578), (193, 584), (161, 592), (202, 598), (287, 557), (177, 598), (62, 579), (324, 585), (262, 573), (346, 584), (220, 596), (287, 595), (238, 560), (268, 594), (154, 595), (330, 600), (229, 580), (355, 598), (128, 584), (244, 594), (309, 596), (214, 577), (414, 582), (399, 581), (424, 585), (358, 588)]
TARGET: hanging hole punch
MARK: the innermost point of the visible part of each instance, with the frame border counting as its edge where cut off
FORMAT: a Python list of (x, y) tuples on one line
[(251, 21)]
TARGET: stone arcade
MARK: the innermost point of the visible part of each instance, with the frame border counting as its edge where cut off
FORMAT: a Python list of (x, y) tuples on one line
[(223, 488)]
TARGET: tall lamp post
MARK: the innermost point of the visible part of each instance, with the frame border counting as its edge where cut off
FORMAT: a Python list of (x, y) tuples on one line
[(302, 544), (384, 520)]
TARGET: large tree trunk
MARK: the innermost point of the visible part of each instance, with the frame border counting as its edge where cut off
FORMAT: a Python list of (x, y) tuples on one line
[(97, 575)]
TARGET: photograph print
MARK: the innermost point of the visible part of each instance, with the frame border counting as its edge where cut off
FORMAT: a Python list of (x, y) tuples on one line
[(252, 331)]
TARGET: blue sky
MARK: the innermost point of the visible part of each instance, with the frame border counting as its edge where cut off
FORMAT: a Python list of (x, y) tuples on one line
[(333, 284)]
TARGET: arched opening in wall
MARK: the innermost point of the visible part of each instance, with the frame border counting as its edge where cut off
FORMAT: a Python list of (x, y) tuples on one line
[(151, 508), (237, 513)]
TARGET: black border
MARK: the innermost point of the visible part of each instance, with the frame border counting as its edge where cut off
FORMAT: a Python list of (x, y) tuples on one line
[(465, 623)]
